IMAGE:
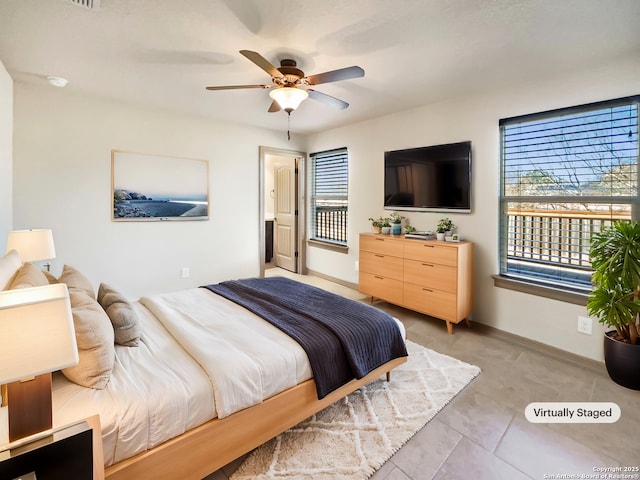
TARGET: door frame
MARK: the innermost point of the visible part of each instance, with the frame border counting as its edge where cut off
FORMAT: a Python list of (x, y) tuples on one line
[(301, 161)]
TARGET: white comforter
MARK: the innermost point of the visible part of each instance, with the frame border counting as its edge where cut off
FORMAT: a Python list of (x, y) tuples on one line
[(246, 358)]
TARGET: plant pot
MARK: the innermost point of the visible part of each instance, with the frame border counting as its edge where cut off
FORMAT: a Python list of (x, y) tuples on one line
[(396, 229), (622, 361), (386, 230), (440, 236), (376, 229)]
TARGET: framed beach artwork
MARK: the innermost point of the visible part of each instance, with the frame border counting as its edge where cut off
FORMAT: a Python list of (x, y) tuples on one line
[(155, 188)]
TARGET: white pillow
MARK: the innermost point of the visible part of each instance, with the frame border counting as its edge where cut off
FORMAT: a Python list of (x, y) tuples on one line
[(9, 266)]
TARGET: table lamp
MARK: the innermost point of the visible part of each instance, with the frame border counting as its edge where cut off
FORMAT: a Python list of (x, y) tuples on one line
[(32, 245), (36, 338)]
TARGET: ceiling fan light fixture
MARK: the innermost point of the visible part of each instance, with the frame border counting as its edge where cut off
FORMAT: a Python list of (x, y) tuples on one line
[(289, 98)]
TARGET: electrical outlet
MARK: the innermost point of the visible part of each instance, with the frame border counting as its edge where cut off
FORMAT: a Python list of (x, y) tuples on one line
[(184, 273), (585, 325)]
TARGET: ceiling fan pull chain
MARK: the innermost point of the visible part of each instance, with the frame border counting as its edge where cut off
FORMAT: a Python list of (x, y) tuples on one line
[(288, 126)]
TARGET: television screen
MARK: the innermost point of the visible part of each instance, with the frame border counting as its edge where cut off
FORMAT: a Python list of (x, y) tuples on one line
[(435, 178)]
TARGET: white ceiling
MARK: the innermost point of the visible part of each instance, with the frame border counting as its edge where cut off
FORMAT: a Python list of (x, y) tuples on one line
[(414, 52)]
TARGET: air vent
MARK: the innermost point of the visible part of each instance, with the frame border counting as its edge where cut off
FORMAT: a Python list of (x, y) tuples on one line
[(90, 4)]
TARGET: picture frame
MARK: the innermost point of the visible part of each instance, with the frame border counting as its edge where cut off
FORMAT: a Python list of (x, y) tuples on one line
[(147, 187), (455, 237)]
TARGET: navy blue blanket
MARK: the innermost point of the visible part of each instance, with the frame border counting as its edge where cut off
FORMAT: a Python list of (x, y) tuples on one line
[(343, 339)]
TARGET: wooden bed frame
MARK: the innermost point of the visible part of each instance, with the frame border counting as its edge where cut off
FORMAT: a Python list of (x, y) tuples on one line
[(204, 449)]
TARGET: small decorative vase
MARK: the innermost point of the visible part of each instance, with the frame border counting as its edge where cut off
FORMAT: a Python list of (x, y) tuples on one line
[(396, 229)]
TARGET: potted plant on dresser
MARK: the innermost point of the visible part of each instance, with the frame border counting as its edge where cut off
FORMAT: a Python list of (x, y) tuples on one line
[(396, 223), (445, 226), (377, 224), (615, 298), (386, 226)]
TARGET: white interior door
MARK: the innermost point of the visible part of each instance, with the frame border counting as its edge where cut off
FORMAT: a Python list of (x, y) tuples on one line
[(285, 215)]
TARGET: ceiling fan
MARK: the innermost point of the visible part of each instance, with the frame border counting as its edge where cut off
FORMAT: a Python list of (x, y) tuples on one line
[(290, 85)]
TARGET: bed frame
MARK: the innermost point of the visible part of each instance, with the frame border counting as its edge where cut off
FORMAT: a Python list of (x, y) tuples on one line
[(204, 449)]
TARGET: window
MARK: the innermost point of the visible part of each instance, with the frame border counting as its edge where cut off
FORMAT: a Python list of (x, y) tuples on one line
[(329, 198), (565, 175)]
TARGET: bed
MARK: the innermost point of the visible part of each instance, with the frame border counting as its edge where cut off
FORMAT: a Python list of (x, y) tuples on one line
[(208, 381)]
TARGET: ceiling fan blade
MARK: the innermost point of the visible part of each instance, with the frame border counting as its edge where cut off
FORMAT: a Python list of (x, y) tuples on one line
[(336, 75), (274, 107), (263, 63), (327, 99), (237, 87)]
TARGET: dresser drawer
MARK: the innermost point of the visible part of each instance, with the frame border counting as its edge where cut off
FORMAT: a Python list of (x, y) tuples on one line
[(431, 252), (382, 265), (430, 275), (382, 244), (378, 286), (430, 301)]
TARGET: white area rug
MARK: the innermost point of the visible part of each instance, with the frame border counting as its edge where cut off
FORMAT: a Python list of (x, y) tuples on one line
[(352, 438)]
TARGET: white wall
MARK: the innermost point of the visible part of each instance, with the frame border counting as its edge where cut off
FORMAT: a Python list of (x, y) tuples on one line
[(62, 180), (6, 147), (476, 119)]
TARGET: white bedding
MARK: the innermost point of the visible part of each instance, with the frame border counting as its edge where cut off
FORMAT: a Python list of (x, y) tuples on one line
[(247, 359), (158, 390)]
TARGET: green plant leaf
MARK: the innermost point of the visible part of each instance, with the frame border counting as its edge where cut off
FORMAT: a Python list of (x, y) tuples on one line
[(615, 259)]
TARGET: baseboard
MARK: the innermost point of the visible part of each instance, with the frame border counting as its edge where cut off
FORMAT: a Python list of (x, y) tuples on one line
[(534, 345), (353, 286)]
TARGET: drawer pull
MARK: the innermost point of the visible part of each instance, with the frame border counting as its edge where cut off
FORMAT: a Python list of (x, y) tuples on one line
[(427, 290), (427, 245), (427, 265), (380, 239), (378, 255), (379, 278)]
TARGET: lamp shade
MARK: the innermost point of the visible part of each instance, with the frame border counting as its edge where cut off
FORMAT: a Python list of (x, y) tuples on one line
[(32, 245), (289, 98), (36, 332)]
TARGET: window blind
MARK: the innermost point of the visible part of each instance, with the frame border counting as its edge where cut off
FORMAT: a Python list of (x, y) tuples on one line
[(565, 175), (329, 196)]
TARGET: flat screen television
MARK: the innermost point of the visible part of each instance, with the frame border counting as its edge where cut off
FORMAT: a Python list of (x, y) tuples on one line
[(435, 178)]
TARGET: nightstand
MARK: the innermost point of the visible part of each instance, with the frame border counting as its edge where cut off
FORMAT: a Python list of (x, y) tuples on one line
[(73, 451)]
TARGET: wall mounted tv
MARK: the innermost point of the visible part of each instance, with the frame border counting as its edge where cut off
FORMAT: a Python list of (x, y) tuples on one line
[(435, 178)]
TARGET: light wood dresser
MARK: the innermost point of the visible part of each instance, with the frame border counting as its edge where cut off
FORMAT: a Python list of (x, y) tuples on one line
[(427, 276)]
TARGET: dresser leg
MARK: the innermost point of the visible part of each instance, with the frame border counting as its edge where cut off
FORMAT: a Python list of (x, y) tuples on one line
[(450, 328), (466, 320)]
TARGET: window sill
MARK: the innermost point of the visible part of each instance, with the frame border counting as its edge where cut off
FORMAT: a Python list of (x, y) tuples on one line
[(554, 293), (334, 247)]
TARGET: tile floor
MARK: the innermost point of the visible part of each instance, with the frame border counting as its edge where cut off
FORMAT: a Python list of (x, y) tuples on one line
[(483, 433)]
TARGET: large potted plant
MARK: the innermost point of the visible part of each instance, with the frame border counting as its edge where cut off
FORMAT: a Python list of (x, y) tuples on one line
[(615, 298)]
